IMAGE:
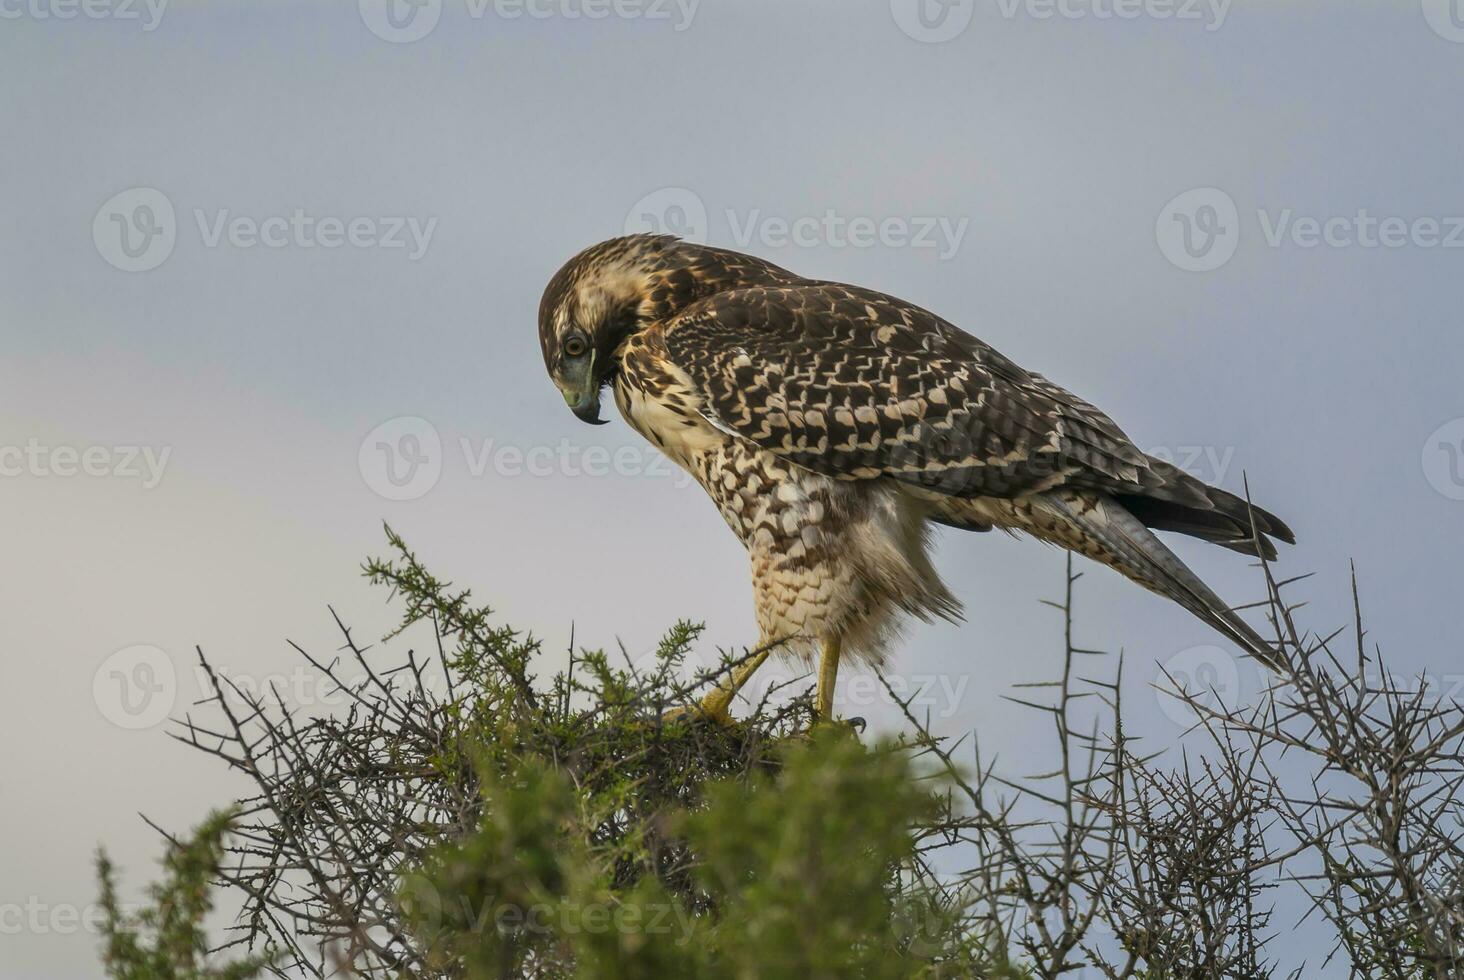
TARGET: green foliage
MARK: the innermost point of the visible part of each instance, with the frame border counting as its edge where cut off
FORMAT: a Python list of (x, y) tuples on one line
[(480, 903), (805, 866), (165, 940), (522, 895), (509, 826), (600, 724), (797, 875)]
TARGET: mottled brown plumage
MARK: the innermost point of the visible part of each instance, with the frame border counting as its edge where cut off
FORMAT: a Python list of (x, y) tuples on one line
[(832, 423)]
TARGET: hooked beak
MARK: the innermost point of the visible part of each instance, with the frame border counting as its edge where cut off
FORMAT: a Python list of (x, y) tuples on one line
[(581, 390), (580, 387), (585, 405)]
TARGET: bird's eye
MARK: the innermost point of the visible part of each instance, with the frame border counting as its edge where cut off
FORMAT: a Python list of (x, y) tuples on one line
[(576, 347)]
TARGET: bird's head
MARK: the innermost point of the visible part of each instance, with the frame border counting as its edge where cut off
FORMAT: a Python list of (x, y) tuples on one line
[(590, 306), (614, 289)]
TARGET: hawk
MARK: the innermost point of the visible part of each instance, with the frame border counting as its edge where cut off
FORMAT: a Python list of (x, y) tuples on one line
[(832, 425)]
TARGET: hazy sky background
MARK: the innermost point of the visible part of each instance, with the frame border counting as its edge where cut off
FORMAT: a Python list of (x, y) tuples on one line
[(1323, 373)]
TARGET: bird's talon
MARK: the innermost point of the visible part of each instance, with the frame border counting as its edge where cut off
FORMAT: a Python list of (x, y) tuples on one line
[(717, 714), (853, 727)]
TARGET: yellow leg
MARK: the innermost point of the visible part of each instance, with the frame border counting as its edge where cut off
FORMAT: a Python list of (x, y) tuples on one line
[(828, 672), (717, 705)]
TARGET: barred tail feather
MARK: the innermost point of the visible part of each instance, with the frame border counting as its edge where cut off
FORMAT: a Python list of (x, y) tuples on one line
[(1179, 502), (1117, 538)]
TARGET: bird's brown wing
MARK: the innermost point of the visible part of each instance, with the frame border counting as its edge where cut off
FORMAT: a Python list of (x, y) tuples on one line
[(859, 385), (856, 384)]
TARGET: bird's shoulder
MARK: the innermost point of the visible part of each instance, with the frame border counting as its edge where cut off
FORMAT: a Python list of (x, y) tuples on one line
[(816, 317)]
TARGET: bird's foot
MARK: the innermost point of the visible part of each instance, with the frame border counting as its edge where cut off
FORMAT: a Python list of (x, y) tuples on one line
[(847, 727), (708, 709)]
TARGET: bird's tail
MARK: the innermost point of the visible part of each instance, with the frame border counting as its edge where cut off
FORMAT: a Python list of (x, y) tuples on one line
[(1110, 534)]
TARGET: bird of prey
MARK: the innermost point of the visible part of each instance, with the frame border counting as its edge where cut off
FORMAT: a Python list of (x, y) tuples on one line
[(832, 425)]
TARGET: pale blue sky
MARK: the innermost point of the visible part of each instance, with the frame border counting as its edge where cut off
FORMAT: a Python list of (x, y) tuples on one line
[(1320, 372)]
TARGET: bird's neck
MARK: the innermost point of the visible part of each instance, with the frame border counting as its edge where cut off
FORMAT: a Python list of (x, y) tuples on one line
[(673, 279)]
